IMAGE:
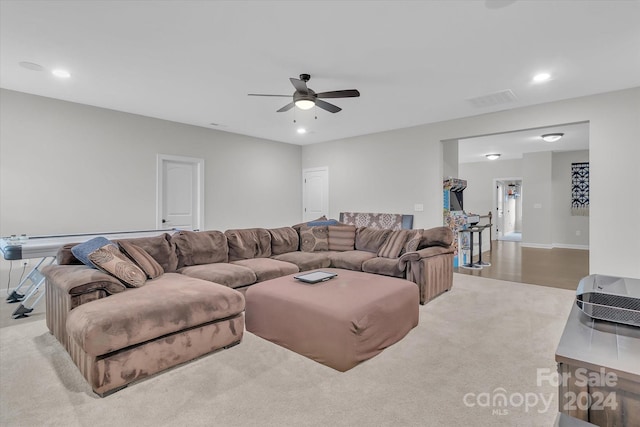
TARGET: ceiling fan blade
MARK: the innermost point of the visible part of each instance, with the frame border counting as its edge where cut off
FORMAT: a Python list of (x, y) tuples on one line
[(300, 85), (326, 106), (287, 107), (348, 93), (262, 94)]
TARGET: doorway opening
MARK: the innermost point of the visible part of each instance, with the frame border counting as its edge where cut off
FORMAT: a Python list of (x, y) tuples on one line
[(508, 199)]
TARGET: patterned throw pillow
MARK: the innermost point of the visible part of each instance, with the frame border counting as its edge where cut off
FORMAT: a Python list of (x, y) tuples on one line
[(314, 239), (412, 242), (109, 259), (142, 259), (394, 244), (342, 237)]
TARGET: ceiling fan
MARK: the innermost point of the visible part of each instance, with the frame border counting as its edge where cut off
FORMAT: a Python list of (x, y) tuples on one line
[(305, 98)]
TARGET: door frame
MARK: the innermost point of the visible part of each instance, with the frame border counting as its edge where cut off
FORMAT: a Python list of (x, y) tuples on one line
[(304, 187), (199, 163), (494, 207)]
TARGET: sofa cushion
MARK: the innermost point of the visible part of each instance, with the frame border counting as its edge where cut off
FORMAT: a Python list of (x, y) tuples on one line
[(283, 240), (200, 247), (342, 237), (306, 260), (384, 266), (109, 259), (267, 268), (161, 248), (437, 236), (248, 243), (370, 239), (230, 275), (394, 244), (350, 260), (171, 303), (314, 239), (82, 250), (142, 259)]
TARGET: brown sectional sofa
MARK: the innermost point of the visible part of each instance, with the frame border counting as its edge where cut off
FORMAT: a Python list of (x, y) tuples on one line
[(197, 305)]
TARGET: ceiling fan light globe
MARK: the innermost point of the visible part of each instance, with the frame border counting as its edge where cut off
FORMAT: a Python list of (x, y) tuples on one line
[(305, 104)]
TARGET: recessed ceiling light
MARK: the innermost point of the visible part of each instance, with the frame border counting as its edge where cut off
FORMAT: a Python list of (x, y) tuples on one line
[(492, 156), (552, 137), (301, 131), (63, 74), (31, 66), (542, 77)]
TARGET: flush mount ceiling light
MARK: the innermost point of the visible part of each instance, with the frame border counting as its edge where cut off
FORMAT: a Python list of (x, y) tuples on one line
[(301, 131), (542, 77), (31, 66), (492, 156), (552, 137), (305, 104), (63, 74)]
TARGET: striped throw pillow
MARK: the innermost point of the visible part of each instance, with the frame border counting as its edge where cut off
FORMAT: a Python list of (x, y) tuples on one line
[(342, 237), (394, 244)]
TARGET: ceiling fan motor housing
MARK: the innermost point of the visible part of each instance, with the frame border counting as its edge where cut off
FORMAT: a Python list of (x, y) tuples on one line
[(310, 96)]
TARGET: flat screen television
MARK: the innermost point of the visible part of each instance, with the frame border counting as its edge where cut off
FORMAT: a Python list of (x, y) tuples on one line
[(455, 201)]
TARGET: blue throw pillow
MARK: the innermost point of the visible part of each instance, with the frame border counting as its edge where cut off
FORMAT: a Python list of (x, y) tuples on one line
[(326, 222), (83, 250)]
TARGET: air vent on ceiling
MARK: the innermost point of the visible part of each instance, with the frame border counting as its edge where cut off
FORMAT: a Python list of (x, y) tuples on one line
[(493, 99)]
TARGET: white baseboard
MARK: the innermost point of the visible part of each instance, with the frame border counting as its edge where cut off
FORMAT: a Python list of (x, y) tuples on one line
[(568, 246), (536, 245), (554, 245)]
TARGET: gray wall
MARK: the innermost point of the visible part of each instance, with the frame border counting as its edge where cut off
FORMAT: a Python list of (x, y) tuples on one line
[(72, 168), (558, 227), (391, 171), (536, 199), (478, 197), (450, 159), (46, 144), (569, 231), (479, 194)]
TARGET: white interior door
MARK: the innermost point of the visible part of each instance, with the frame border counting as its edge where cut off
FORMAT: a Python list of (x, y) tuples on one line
[(315, 193), (180, 193)]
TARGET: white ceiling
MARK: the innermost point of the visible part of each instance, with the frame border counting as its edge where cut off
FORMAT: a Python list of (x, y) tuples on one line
[(513, 145), (414, 62)]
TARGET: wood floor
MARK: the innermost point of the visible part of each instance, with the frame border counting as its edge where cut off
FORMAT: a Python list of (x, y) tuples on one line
[(559, 268)]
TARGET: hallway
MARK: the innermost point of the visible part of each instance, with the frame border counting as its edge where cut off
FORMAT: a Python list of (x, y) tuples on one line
[(559, 268)]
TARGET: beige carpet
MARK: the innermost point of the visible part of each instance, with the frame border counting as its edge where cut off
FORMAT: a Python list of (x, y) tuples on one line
[(483, 339)]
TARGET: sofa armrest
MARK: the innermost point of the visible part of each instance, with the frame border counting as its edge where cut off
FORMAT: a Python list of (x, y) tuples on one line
[(68, 286), (413, 256), (79, 279), (432, 270), (434, 251)]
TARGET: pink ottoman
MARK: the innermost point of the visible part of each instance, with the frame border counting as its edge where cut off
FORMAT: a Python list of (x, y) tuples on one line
[(339, 323)]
